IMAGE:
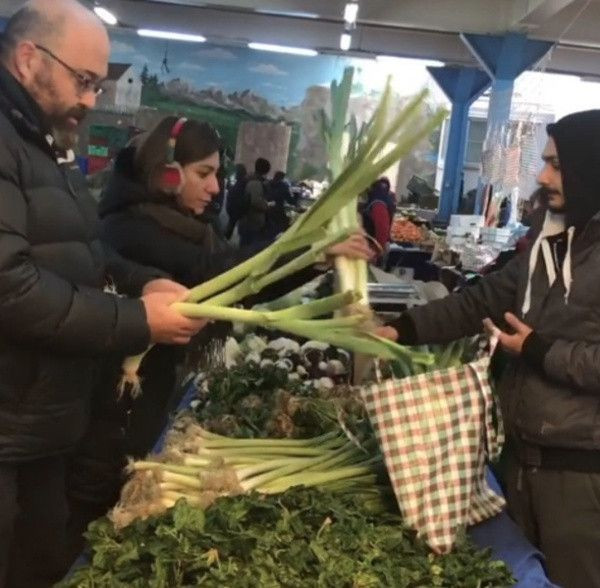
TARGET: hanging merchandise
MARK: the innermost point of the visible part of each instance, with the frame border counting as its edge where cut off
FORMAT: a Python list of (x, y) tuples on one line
[(491, 166), (512, 166), (511, 152)]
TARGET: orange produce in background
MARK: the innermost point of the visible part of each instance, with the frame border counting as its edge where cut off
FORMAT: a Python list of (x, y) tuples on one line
[(406, 231)]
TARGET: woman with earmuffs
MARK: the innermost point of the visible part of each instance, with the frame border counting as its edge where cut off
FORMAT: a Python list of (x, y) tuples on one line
[(151, 212), (160, 186)]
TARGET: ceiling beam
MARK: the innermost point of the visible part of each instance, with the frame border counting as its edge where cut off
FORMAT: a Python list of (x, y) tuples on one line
[(533, 14), (237, 27)]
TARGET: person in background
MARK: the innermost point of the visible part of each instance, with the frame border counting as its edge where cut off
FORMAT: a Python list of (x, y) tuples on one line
[(252, 224), (504, 212), (161, 224), (280, 194), (391, 195), (279, 189), (545, 302), (235, 198), (378, 212), (56, 319)]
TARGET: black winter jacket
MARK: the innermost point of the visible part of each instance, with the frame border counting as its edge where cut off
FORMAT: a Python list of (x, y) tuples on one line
[(54, 317), (552, 400), (550, 394), (152, 230)]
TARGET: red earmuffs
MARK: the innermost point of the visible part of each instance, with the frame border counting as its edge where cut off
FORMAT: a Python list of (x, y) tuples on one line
[(172, 178)]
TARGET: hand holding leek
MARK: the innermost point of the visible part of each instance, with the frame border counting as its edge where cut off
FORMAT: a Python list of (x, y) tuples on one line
[(165, 323)]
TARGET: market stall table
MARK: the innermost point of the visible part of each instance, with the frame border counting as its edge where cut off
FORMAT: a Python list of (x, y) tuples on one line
[(500, 534)]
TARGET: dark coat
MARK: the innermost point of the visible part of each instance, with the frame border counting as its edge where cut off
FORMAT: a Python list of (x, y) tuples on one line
[(550, 394), (552, 399), (54, 318)]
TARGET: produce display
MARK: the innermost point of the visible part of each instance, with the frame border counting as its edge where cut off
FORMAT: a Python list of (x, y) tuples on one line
[(273, 479), (277, 389), (270, 418), (405, 231), (303, 538)]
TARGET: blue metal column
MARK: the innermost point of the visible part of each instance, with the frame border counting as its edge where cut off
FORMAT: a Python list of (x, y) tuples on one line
[(504, 58), (462, 85)]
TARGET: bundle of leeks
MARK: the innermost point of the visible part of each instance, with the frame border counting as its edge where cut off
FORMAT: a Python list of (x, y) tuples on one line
[(310, 236), (201, 466)]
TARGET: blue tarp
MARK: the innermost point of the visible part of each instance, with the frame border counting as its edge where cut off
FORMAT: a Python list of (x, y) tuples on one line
[(508, 544)]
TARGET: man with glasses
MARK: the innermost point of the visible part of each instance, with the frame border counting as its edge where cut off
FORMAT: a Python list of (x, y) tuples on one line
[(55, 319)]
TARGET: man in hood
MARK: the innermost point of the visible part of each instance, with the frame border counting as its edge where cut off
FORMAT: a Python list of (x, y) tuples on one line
[(547, 302)]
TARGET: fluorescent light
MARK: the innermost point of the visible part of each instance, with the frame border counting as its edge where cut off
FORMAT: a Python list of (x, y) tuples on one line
[(106, 15), (283, 49), (345, 41), (392, 60), (351, 12), (287, 13), (171, 35)]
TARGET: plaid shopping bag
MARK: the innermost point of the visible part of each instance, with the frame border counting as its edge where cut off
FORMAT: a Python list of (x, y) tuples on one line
[(436, 431)]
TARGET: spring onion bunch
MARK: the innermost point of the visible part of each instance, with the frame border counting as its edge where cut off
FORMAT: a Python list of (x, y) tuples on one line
[(201, 466), (308, 238)]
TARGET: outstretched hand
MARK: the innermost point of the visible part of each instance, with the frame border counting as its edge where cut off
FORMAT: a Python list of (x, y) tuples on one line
[(355, 247), (512, 343)]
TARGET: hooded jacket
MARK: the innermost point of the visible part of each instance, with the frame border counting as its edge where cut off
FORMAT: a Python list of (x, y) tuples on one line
[(550, 395), (55, 319)]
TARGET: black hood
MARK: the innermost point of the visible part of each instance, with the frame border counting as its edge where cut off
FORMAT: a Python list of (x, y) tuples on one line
[(123, 188), (577, 138)]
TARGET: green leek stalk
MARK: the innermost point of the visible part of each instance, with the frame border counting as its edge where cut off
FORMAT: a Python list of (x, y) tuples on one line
[(336, 138)]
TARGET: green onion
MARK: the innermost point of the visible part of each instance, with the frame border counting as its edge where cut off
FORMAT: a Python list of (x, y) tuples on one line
[(201, 466)]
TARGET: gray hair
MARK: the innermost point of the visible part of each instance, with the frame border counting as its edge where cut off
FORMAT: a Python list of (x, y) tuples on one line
[(29, 23)]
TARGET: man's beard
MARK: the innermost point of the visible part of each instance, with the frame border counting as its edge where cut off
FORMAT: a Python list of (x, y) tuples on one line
[(65, 139), (558, 209), (65, 135)]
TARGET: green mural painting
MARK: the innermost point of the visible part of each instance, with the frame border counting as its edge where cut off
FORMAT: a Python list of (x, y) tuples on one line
[(233, 86)]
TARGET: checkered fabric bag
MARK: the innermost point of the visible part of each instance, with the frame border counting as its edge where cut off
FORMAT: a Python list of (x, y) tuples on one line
[(436, 431)]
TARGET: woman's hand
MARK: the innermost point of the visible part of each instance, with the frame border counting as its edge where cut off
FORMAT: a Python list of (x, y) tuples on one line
[(355, 247), (387, 332)]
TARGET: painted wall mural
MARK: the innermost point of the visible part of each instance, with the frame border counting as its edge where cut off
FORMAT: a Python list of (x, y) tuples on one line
[(228, 86)]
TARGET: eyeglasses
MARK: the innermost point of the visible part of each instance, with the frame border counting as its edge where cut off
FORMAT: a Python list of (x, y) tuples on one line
[(85, 83)]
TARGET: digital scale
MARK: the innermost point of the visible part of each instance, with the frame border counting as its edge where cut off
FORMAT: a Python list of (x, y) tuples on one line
[(390, 299)]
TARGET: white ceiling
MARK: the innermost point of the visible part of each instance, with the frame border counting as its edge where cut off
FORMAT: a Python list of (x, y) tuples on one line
[(413, 28)]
